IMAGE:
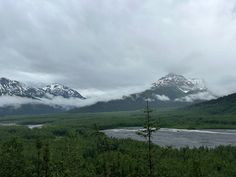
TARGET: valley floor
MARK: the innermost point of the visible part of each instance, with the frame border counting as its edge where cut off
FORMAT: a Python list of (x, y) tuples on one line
[(71, 145)]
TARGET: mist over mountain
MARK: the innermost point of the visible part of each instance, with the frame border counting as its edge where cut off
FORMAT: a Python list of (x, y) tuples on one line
[(225, 105), (171, 90), (17, 98)]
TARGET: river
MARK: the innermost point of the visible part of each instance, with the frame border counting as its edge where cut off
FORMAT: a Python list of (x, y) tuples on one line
[(179, 138)]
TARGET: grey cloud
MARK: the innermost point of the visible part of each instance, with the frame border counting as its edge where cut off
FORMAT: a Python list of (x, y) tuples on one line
[(15, 101), (106, 45), (193, 97), (93, 96), (162, 97)]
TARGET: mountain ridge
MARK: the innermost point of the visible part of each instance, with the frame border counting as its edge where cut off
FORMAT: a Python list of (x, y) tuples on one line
[(171, 90), (222, 105), (15, 88)]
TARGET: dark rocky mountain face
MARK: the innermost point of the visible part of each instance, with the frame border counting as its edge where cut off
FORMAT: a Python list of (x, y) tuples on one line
[(15, 88)]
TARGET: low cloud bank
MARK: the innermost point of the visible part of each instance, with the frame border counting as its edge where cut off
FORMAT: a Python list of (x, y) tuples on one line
[(163, 98), (93, 96), (16, 101), (117, 93), (194, 97)]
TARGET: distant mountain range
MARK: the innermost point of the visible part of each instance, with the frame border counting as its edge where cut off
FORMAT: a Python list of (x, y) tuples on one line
[(170, 91), (14, 88), (17, 90)]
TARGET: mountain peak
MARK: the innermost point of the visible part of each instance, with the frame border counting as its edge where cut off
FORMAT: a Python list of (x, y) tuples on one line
[(15, 88), (6, 80), (11, 87), (56, 89), (182, 83), (54, 86), (172, 75)]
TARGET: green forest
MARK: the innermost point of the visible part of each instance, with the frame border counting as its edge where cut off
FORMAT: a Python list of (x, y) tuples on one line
[(62, 152), (71, 145)]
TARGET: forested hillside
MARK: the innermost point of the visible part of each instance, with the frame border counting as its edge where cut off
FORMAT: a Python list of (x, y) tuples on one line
[(221, 106)]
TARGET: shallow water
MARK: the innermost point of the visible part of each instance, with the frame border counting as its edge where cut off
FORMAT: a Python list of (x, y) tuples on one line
[(29, 126), (35, 126), (180, 137)]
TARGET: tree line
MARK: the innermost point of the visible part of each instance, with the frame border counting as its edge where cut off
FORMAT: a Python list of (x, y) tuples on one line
[(67, 152)]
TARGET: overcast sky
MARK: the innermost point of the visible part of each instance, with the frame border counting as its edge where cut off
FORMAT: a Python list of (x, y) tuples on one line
[(109, 44)]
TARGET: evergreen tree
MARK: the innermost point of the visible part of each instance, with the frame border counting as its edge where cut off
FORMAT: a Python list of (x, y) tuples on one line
[(149, 128), (38, 147), (12, 162), (46, 161)]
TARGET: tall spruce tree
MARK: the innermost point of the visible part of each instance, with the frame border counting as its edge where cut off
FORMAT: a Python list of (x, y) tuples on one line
[(150, 126)]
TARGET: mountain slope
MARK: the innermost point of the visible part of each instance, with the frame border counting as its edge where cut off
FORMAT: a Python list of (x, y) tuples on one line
[(63, 91), (170, 91), (222, 105), (32, 100), (14, 88), (30, 109)]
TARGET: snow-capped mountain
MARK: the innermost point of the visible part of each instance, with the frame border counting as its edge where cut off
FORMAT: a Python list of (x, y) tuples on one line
[(179, 88), (63, 91), (179, 81), (171, 90), (14, 88), (174, 87)]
